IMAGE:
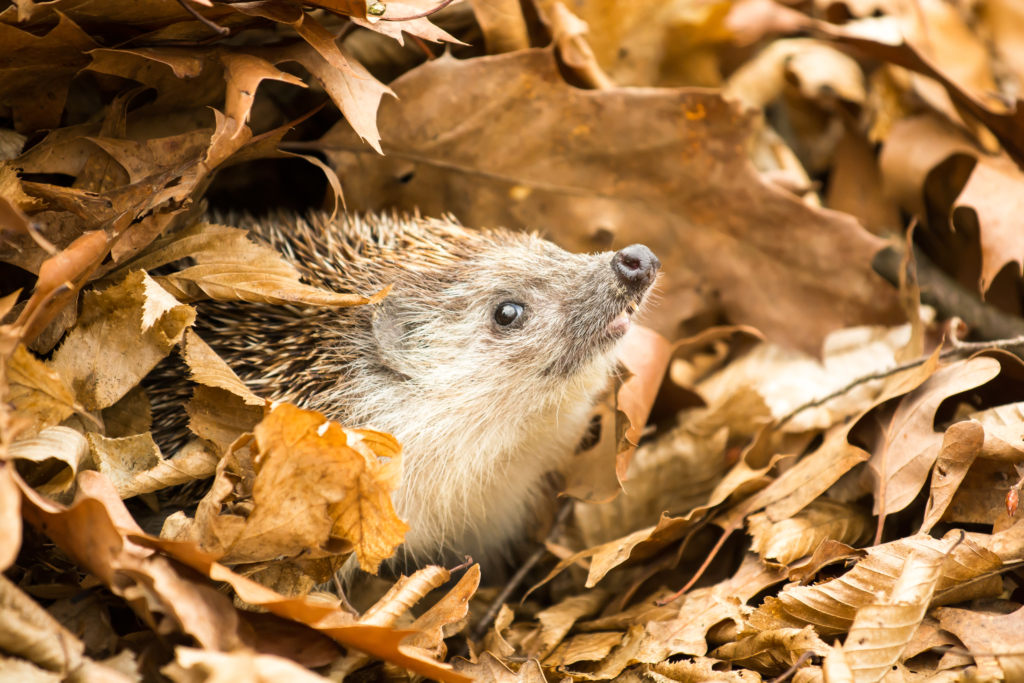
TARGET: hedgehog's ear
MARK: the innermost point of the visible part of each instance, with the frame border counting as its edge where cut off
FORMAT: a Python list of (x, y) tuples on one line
[(391, 336)]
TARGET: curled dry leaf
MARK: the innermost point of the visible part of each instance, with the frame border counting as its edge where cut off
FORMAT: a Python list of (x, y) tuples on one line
[(557, 621), (835, 668), (702, 669), (831, 606), (798, 536), (1004, 432), (503, 25), (243, 666), (825, 554), (902, 462), (122, 333), (988, 635), (773, 651), (881, 631), (314, 481), (230, 267), (704, 607), (489, 669), (585, 647), (59, 454), (39, 392), (960, 445), (135, 465), (209, 369), (444, 619)]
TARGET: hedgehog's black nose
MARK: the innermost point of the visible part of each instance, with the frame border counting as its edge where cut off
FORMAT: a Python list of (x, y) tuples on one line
[(635, 266)]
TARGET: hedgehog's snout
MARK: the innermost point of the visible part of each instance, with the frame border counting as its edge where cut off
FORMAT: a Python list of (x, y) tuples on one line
[(635, 267)]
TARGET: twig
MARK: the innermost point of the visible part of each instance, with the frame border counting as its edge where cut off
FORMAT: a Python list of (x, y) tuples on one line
[(481, 628), (949, 298), (440, 7), (957, 348), (791, 670), (469, 561), (221, 30)]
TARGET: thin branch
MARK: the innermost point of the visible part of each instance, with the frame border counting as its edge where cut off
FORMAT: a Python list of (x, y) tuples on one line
[(957, 348), (792, 670), (220, 30), (422, 14), (517, 579)]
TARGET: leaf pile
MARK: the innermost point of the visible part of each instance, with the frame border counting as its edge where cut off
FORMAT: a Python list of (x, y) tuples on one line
[(804, 471)]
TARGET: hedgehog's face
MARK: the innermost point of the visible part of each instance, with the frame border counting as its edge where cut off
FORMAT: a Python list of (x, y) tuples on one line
[(523, 320)]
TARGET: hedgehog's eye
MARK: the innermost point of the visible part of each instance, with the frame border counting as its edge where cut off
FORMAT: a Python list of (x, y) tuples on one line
[(507, 313)]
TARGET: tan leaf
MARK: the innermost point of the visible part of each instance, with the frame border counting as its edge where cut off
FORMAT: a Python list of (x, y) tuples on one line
[(832, 605), (238, 270), (244, 74), (39, 391), (825, 554), (1004, 432), (556, 621), (772, 651), (393, 29), (503, 25), (135, 465), (209, 369), (960, 445), (315, 481), (704, 607), (798, 536), (59, 453), (703, 669), (10, 517), (881, 630), (111, 348), (585, 647), (988, 634), (489, 669), (435, 624), (902, 462), (160, 155), (598, 184), (244, 666), (569, 33), (131, 415), (354, 90), (219, 416), (35, 83), (981, 496)]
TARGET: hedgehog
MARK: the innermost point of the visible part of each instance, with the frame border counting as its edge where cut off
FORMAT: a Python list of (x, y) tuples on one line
[(485, 360)]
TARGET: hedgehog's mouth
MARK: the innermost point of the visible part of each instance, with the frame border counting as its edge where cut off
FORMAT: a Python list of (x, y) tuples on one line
[(620, 324)]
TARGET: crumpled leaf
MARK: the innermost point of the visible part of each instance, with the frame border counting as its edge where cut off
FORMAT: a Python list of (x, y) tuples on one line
[(122, 333), (489, 669), (314, 481), (59, 453), (987, 634), (558, 620), (773, 651), (39, 392), (902, 462), (960, 445), (191, 665), (229, 267), (135, 465), (798, 536), (881, 631), (831, 606)]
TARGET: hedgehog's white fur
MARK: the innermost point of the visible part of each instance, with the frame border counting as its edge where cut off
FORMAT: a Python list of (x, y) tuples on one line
[(482, 413)]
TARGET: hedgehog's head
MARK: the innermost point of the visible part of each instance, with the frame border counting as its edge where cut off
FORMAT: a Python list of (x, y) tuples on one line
[(512, 322)]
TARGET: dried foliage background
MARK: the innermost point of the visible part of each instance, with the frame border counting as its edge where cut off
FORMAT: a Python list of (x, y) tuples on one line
[(825, 396)]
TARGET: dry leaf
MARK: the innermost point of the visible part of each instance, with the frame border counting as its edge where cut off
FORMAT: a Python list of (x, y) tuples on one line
[(832, 605), (59, 454), (881, 631), (200, 666), (960, 445), (315, 481), (988, 634), (135, 465), (799, 536), (503, 25), (558, 620), (773, 651), (490, 670), (902, 462), (39, 392), (122, 333)]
